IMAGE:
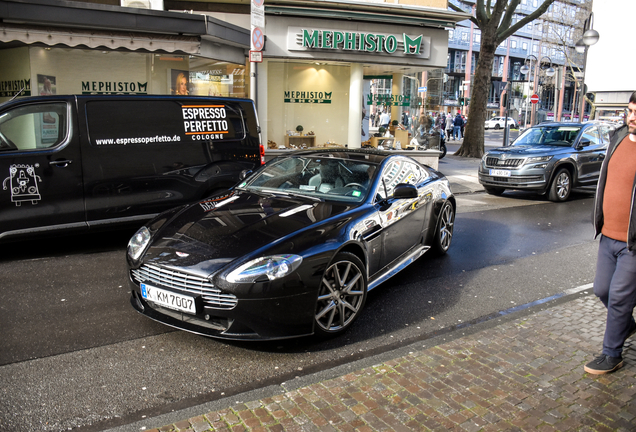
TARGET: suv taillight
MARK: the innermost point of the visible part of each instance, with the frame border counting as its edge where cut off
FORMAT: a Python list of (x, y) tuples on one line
[(262, 154)]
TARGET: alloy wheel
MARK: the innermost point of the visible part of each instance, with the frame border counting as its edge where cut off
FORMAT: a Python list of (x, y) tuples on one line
[(341, 296), (446, 224), (563, 185)]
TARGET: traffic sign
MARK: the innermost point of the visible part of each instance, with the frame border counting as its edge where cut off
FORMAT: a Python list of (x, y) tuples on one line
[(421, 89), (534, 98), (258, 39), (256, 56)]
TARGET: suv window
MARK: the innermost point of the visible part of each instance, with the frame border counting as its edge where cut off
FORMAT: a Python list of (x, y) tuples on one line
[(33, 127), (593, 135)]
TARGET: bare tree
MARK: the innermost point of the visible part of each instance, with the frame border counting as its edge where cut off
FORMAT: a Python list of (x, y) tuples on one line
[(494, 19)]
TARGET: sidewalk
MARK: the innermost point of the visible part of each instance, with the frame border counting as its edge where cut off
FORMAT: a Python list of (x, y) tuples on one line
[(518, 372)]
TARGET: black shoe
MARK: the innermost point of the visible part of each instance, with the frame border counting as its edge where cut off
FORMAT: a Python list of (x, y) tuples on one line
[(603, 364)]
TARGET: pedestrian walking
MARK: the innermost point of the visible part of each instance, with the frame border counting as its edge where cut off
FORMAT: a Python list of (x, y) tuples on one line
[(449, 125), (464, 121), (457, 126), (615, 220), (385, 119)]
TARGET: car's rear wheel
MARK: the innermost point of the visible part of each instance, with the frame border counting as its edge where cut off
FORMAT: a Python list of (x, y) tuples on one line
[(561, 186), (444, 230), (494, 190), (342, 293)]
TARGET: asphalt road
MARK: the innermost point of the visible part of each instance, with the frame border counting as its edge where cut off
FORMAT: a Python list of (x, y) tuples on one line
[(74, 354)]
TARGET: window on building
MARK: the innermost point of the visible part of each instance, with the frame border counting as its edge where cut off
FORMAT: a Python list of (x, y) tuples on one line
[(451, 34), (524, 45), (464, 36), (477, 37), (513, 44), (535, 48)]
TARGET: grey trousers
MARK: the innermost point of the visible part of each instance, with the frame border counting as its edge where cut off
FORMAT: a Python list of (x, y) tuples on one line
[(615, 286)]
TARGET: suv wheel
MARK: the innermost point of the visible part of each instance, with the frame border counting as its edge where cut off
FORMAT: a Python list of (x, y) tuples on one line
[(561, 186)]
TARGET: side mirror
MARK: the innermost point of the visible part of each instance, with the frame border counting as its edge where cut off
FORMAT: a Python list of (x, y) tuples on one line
[(584, 142), (404, 190), (245, 174)]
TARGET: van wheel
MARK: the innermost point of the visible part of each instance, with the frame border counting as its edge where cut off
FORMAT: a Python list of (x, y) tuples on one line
[(341, 296), (561, 186)]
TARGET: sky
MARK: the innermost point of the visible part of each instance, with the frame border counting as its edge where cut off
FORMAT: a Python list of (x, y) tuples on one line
[(611, 63)]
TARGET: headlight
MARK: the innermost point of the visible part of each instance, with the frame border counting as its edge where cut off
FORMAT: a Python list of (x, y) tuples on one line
[(483, 158), (138, 243), (272, 267), (539, 159)]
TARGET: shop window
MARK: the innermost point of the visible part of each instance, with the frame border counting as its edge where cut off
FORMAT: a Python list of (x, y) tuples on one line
[(33, 127)]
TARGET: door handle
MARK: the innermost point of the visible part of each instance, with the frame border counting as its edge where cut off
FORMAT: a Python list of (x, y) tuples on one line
[(61, 162)]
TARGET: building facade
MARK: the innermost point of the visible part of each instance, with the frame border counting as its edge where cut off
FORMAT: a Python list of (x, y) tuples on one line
[(549, 41), (318, 70)]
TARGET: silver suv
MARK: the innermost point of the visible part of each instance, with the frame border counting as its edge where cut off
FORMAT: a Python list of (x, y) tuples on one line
[(550, 158)]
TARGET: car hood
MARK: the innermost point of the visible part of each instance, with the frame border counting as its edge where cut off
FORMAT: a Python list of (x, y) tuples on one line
[(529, 151), (207, 235)]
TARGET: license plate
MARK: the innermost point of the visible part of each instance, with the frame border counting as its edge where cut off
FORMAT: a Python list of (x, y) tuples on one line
[(499, 173), (169, 299)]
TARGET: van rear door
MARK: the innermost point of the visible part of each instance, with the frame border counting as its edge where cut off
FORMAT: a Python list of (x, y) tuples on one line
[(145, 155), (40, 167)]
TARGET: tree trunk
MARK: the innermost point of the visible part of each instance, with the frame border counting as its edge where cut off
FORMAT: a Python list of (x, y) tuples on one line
[(473, 145)]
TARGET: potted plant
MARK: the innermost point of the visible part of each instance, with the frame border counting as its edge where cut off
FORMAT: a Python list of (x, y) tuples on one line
[(299, 129)]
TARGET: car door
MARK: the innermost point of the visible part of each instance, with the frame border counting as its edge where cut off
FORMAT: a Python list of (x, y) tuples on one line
[(589, 156), (40, 158), (402, 219)]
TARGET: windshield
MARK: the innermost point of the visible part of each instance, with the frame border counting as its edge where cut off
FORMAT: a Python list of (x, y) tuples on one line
[(315, 178), (548, 135)]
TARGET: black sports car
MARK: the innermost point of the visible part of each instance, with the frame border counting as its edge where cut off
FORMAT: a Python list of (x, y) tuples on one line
[(293, 249)]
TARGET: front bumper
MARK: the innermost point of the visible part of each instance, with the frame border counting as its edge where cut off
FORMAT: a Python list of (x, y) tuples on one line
[(250, 319), (525, 177)]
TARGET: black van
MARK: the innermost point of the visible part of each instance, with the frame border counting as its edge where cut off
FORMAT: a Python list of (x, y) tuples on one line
[(75, 162)]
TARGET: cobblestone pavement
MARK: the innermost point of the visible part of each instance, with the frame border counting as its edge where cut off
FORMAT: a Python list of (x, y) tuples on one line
[(524, 374)]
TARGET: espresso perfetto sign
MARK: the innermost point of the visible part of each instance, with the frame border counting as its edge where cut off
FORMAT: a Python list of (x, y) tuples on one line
[(307, 39)]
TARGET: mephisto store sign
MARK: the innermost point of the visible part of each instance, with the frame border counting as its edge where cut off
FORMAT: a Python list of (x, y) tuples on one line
[(312, 39)]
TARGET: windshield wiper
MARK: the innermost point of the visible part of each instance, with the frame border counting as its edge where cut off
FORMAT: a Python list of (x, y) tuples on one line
[(294, 194)]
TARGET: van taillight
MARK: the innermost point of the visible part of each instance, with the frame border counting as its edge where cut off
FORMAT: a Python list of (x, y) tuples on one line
[(262, 154)]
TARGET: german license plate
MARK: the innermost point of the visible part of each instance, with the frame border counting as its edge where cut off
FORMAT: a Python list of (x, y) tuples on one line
[(169, 299), (499, 173)]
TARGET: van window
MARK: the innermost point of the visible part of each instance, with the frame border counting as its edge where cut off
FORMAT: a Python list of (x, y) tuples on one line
[(148, 122), (33, 127)]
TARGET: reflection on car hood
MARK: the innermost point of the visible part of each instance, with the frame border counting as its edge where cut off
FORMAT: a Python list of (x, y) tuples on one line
[(221, 229), (529, 150)]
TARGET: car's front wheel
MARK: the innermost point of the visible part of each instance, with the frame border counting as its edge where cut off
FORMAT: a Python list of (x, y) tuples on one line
[(497, 126), (342, 293), (561, 186), (444, 229)]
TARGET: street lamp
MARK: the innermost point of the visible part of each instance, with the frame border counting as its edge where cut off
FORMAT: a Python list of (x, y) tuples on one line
[(590, 37), (525, 69)]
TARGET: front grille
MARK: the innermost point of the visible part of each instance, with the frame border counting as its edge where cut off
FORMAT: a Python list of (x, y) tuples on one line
[(513, 180), (495, 162), (187, 283)]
